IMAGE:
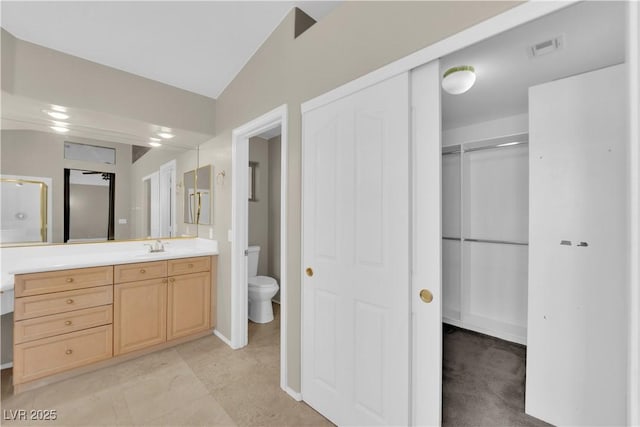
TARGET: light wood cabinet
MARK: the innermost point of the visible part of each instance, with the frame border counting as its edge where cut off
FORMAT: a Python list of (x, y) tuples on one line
[(189, 297), (46, 326), (56, 281), (140, 271), (62, 321), (140, 315), (150, 312), (71, 319), (61, 302), (44, 357)]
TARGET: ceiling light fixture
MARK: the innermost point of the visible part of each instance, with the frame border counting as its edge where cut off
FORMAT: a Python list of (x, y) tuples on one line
[(59, 129), (155, 139), (165, 135), (56, 114), (58, 108), (457, 80), (155, 144)]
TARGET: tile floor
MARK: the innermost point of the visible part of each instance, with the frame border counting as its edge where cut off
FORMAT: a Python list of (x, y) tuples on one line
[(202, 382)]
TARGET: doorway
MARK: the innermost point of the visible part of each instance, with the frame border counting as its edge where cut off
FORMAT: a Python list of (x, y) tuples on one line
[(486, 258), (89, 204), (273, 121)]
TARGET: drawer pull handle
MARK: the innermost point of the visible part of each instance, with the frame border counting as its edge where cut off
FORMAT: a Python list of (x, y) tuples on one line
[(69, 301), (164, 280), (69, 279), (190, 265), (172, 280), (68, 351), (68, 322), (142, 270)]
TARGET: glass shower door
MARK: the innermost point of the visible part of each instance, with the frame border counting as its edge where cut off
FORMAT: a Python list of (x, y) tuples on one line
[(24, 210)]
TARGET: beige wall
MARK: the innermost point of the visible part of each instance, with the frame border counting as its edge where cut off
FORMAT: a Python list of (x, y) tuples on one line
[(353, 40), (33, 153), (273, 265), (39, 73), (89, 211), (259, 208)]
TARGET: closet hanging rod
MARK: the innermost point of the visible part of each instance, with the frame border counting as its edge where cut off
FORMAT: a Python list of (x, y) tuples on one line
[(450, 152), (491, 147), (502, 242)]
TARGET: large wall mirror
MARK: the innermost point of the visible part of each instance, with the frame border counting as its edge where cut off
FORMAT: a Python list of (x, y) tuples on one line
[(65, 189)]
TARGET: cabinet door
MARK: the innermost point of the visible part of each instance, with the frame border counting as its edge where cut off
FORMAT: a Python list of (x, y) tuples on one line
[(189, 304), (140, 315)]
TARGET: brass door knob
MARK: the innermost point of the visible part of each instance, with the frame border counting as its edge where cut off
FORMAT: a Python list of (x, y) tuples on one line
[(68, 322), (426, 296), (69, 301), (142, 270), (69, 351), (69, 279), (309, 271)]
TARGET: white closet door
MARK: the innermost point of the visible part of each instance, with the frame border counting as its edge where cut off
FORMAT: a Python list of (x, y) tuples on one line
[(577, 329), (355, 332)]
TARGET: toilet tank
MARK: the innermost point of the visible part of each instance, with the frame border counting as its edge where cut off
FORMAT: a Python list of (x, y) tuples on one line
[(252, 267)]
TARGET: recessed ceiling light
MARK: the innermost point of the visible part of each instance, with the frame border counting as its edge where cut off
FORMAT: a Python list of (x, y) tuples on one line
[(165, 135), (59, 129), (57, 114), (62, 124), (155, 139), (155, 144), (58, 108)]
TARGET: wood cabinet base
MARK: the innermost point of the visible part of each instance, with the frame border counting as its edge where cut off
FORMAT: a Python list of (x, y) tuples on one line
[(20, 388)]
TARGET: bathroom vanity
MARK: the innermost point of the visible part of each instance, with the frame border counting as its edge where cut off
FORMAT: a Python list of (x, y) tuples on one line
[(73, 320)]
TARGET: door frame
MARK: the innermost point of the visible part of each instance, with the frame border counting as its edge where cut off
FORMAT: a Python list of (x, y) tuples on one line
[(510, 19), (170, 166), (239, 234)]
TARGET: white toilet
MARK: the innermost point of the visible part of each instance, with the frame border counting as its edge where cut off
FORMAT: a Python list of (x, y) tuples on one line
[(261, 290)]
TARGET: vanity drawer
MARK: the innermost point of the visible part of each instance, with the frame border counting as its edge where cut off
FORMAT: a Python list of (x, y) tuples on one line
[(189, 265), (61, 302), (141, 271), (40, 358), (63, 280), (57, 324)]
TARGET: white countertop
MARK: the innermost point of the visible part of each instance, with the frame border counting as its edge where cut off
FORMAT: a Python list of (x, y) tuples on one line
[(32, 259)]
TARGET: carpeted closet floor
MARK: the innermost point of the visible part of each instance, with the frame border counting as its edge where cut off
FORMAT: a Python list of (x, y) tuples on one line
[(483, 381)]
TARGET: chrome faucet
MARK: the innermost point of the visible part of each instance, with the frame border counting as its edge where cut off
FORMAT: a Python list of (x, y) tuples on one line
[(155, 247)]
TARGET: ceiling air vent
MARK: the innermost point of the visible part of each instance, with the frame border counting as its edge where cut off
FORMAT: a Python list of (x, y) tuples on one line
[(546, 46)]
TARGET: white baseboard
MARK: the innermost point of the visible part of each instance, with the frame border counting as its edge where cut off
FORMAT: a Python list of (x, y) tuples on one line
[(6, 365), (294, 394), (222, 337)]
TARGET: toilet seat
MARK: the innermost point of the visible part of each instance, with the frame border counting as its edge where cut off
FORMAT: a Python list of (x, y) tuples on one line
[(262, 282)]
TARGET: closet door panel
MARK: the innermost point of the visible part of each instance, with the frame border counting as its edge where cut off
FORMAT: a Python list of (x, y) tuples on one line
[(496, 194), (451, 195), (495, 278), (451, 279)]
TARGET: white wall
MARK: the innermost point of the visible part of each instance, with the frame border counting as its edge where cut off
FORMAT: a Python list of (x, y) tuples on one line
[(510, 125)]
